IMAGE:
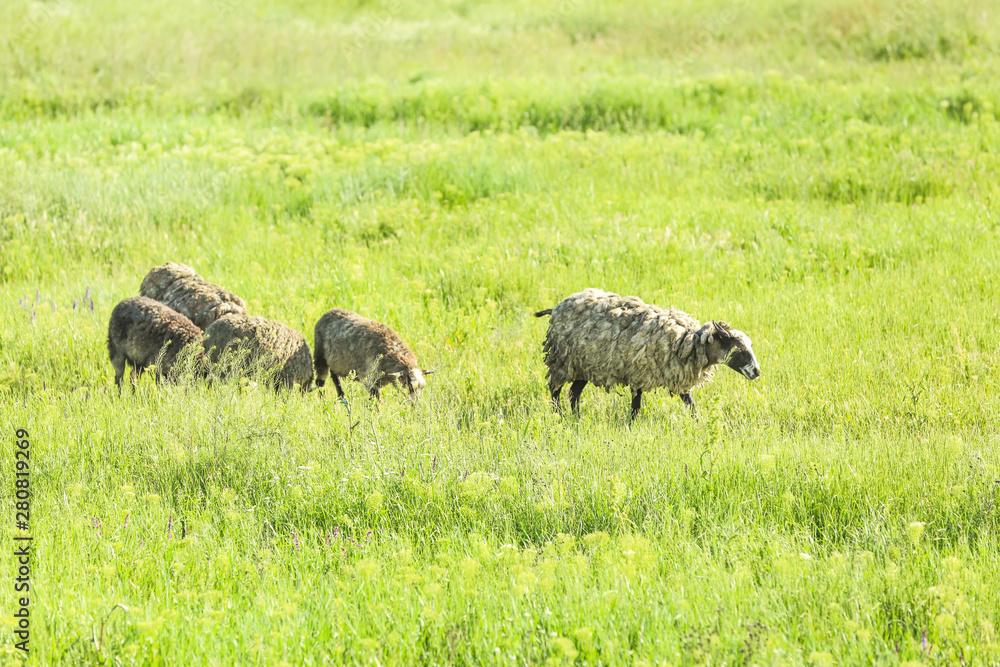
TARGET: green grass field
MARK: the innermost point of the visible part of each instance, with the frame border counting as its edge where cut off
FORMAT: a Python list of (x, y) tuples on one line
[(822, 175)]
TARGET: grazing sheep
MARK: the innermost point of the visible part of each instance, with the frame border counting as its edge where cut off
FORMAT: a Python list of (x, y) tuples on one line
[(270, 344), (180, 288), (609, 340), (142, 329), (346, 342)]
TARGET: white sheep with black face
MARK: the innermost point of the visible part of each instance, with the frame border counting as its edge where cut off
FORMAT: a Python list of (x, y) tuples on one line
[(609, 340)]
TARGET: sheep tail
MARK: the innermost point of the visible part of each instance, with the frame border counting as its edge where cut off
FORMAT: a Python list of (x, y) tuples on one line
[(543, 313)]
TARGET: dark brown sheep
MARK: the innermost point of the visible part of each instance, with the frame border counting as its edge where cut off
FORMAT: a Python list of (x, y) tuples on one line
[(141, 330), (268, 344), (347, 342)]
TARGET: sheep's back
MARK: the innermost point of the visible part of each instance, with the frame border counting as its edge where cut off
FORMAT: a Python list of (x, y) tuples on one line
[(265, 341), (160, 277), (181, 288), (257, 334)]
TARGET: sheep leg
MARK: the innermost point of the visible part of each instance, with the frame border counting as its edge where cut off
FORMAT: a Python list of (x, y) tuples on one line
[(555, 391), (119, 363), (688, 401), (319, 361), (336, 383), (134, 373), (636, 404), (575, 390), (376, 394)]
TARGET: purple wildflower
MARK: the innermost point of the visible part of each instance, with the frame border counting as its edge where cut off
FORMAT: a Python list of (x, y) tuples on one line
[(434, 465), (32, 315), (91, 305), (343, 549), (38, 296), (126, 520), (86, 295), (336, 531), (296, 536), (923, 641), (170, 526), (328, 539), (402, 475), (76, 302), (368, 537)]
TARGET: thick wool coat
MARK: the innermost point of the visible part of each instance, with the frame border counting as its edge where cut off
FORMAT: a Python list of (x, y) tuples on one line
[(180, 288), (140, 329), (609, 340), (345, 341), (265, 343)]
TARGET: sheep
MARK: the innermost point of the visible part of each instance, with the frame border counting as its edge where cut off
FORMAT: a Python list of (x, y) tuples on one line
[(345, 342), (141, 330), (266, 343), (608, 340), (179, 287)]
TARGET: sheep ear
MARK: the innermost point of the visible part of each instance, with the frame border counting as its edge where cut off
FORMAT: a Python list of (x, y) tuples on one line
[(715, 331), (722, 329), (428, 371), (396, 375)]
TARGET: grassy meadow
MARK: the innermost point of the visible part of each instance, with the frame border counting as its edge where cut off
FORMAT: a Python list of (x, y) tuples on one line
[(821, 174)]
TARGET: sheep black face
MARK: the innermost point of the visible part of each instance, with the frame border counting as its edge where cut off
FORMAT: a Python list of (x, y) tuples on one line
[(739, 352)]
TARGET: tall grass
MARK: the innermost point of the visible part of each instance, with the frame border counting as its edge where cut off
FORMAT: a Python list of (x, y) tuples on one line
[(450, 168)]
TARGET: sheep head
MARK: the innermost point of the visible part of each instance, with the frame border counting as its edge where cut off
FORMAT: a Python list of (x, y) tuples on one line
[(730, 347), (413, 379)]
